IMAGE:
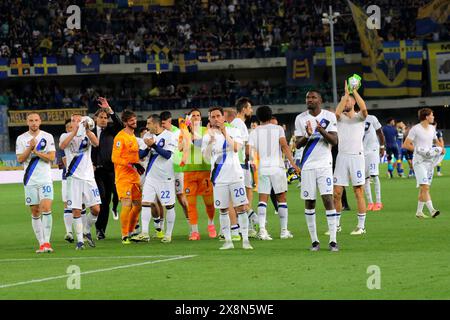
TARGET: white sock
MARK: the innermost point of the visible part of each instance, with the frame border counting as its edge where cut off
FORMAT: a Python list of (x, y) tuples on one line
[(338, 219), (90, 221), (243, 223), (262, 208), (235, 230), (420, 205), (225, 225), (47, 222), (78, 228), (310, 215), (368, 191), (84, 220), (38, 229), (68, 220), (161, 223), (194, 227), (332, 224), (429, 204), (376, 182), (170, 218), (156, 223), (252, 219), (361, 220), (146, 216), (283, 214)]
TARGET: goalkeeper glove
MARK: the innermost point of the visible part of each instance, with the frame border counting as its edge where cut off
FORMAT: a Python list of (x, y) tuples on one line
[(140, 169)]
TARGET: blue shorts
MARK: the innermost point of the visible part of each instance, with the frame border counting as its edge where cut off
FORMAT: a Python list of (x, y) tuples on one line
[(392, 151)]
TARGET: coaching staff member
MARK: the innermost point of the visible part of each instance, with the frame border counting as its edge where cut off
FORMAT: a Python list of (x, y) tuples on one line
[(101, 159)]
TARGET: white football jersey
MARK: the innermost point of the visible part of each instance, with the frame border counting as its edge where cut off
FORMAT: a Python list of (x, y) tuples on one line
[(37, 171), (350, 134), (317, 151), (266, 141), (240, 125), (78, 157), (225, 165), (370, 140), (422, 138), (159, 168)]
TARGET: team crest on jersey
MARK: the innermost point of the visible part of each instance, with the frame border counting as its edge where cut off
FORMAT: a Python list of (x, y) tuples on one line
[(28, 200), (118, 144), (217, 203), (161, 142), (187, 190)]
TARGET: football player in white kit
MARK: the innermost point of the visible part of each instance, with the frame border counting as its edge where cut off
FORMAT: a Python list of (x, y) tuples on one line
[(373, 143), (81, 185), (420, 139), (244, 111), (221, 145), (159, 178), (36, 150), (316, 132), (350, 159), (269, 141)]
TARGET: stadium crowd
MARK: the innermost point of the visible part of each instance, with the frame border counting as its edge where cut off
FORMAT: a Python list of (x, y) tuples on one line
[(236, 28), (167, 94)]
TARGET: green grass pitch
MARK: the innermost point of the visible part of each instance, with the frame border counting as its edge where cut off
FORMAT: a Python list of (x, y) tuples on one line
[(413, 256)]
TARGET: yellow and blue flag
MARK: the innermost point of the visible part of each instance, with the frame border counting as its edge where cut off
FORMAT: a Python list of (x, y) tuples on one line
[(157, 62), (45, 65), (208, 56), (20, 66), (185, 63), (439, 67), (101, 5), (87, 63), (299, 67), (397, 73), (3, 68), (323, 56), (431, 15)]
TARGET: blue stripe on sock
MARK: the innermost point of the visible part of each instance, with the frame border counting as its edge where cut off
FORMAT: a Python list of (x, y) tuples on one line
[(310, 214), (333, 215), (262, 204)]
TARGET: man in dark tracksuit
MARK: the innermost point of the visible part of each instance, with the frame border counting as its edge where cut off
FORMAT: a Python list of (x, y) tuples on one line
[(101, 159)]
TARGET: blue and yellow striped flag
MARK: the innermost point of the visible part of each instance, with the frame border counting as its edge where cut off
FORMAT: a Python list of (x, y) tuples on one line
[(398, 73), (431, 15)]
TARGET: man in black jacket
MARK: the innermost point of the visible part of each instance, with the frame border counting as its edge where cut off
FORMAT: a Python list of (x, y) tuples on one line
[(101, 159)]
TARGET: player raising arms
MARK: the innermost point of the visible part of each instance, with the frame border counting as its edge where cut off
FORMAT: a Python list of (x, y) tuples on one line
[(269, 142), (81, 186), (221, 145), (160, 176), (316, 132), (420, 139), (36, 150), (125, 156), (373, 142), (350, 158)]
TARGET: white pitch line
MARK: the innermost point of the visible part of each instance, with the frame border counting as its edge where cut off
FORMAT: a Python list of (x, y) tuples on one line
[(87, 258), (94, 271)]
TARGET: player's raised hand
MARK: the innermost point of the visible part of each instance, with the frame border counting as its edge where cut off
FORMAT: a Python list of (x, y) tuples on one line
[(347, 93), (103, 103)]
